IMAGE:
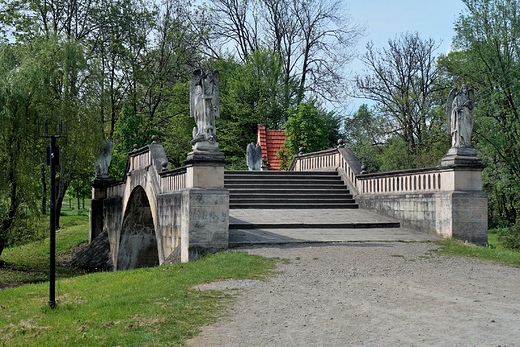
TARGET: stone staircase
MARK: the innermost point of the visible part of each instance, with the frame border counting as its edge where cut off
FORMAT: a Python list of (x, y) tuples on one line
[(321, 209), (287, 190)]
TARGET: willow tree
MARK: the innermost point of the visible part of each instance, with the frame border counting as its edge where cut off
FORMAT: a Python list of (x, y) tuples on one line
[(48, 79)]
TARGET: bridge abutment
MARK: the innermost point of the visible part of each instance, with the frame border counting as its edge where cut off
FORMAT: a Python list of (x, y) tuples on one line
[(205, 206)]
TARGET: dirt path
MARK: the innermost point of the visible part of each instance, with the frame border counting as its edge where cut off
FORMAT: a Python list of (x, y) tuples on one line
[(372, 294)]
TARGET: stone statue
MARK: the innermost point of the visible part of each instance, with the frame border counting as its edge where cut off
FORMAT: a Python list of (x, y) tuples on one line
[(459, 116), (204, 105), (103, 160), (254, 157)]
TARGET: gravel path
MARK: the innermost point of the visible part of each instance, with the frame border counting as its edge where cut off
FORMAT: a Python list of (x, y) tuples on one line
[(371, 294)]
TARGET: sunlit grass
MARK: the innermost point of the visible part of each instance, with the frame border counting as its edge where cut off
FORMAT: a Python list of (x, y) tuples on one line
[(30, 262), (494, 252), (144, 307)]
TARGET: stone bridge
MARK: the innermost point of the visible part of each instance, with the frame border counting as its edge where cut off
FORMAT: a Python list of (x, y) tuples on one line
[(156, 212)]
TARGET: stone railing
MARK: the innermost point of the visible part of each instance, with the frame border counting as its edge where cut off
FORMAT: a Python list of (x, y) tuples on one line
[(447, 199), (116, 189), (339, 159), (413, 181), (431, 179), (139, 159), (173, 180)]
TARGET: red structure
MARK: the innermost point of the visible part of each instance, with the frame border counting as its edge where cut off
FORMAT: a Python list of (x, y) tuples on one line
[(271, 142)]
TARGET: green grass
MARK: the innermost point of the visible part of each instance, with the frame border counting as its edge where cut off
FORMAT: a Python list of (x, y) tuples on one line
[(30, 263), (494, 252), (143, 307)]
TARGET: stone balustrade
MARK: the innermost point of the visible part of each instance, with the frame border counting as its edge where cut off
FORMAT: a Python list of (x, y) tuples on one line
[(421, 180), (173, 180), (139, 159), (332, 159), (447, 199), (116, 190), (433, 179)]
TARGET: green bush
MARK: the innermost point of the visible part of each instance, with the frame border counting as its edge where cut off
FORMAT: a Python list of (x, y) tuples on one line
[(510, 237)]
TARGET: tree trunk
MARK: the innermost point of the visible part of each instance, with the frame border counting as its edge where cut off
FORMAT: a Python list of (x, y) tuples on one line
[(8, 221), (2, 242)]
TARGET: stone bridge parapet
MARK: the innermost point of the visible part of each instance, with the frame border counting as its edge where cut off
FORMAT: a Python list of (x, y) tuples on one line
[(157, 212), (447, 199)]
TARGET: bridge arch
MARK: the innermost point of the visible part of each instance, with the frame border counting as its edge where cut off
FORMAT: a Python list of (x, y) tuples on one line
[(138, 246)]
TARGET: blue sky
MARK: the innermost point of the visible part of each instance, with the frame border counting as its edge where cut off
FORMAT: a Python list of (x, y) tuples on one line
[(385, 19)]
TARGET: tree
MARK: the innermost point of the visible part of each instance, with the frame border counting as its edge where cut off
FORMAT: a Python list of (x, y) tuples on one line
[(365, 134), (18, 159), (65, 89), (252, 92), (487, 57), (305, 128), (313, 38), (403, 81)]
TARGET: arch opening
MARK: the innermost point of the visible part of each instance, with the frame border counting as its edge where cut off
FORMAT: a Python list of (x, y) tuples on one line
[(138, 243)]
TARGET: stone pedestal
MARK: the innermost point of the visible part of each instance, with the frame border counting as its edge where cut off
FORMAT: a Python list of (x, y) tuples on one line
[(461, 212), (462, 215), (205, 205), (464, 156), (99, 194)]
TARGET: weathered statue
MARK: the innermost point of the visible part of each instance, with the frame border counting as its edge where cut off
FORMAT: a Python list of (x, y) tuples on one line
[(459, 116), (204, 100), (254, 157), (103, 160)]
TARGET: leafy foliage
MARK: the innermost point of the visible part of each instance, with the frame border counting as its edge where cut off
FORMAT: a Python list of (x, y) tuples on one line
[(251, 93), (403, 81), (306, 127), (45, 80), (370, 136), (510, 237), (487, 59)]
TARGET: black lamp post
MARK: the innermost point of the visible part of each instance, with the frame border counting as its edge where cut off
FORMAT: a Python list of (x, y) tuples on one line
[(53, 159)]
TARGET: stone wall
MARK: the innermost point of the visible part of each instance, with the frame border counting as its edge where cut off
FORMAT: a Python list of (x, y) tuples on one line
[(415, 211), (460, 214), (168, 226), (112, 218), (205, 222)]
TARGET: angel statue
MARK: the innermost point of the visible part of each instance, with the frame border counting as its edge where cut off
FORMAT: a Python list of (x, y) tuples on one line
[(254, 157), (204, 99), (459, 116), (103, 160)]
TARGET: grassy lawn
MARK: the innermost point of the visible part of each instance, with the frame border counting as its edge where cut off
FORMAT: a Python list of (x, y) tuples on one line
[(30, 263), (495, 251), (143, 307)]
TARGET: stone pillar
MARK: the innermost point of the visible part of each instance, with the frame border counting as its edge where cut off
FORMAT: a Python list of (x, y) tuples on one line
[(99, 194), (461, 211), (205, 205)]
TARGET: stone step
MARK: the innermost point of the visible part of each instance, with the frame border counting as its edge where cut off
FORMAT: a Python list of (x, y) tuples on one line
[(278, 191), (363, 225), (294, 185), (288, 182), (291, 205), (291, 190), (313, 202), (234, 173), (284, 180), (281, 197), (292, 194)]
